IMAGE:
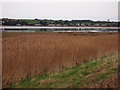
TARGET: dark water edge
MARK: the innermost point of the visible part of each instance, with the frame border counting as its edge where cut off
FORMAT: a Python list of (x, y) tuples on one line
[(59, 30)]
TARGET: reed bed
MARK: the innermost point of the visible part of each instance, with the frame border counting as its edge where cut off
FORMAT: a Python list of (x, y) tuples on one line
[(33, 54)]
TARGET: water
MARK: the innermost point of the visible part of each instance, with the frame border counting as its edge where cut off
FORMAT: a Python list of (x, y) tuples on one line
[(57, 29)]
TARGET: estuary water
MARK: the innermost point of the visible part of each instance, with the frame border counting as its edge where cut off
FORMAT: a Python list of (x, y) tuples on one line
[(56, 29)]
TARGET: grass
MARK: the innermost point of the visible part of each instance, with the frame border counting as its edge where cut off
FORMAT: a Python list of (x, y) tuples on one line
[(81, 75)]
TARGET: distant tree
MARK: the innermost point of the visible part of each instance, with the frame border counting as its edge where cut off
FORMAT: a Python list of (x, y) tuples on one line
[(36, 19), (108, 20)]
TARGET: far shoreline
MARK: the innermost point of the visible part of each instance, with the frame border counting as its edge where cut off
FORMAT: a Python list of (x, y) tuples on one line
[(59, 27)]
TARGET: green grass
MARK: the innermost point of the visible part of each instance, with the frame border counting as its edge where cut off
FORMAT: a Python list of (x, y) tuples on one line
[(81, 75), (31, 21)]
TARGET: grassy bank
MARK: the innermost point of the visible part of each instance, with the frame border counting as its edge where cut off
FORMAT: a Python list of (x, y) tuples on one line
[(96, 73)]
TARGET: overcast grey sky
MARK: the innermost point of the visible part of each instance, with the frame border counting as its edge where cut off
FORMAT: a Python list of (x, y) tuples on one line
[(61, 10)]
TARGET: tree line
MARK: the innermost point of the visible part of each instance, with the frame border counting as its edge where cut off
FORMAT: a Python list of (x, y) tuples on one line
[(46, 22)]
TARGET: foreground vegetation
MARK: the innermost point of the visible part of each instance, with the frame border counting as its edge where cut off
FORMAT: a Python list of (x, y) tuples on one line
[(32, 54), (99, 73)]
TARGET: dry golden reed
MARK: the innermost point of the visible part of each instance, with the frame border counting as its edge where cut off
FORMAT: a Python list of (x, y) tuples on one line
[(32, 54)]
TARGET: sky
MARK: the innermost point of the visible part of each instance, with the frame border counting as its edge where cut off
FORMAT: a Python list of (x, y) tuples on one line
[(60, 10)]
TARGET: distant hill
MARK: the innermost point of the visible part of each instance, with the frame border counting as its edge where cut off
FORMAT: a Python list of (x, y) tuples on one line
[(59, 23)]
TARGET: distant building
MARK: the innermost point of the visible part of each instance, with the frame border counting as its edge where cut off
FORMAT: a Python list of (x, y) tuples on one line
[(18, 24), (82, 24), (97, 24), (51, 24), (58, 25), (88, 24), (77, 24), (104, 25), (37, 24)]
